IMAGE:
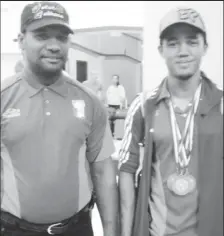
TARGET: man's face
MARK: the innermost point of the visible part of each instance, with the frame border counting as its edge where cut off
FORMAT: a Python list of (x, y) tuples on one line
[(115, 80), (183, 48), (46, 49)]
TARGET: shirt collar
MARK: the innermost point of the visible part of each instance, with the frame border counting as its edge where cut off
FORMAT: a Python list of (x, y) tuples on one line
[(210, 95), (164, 93), (33, 86)]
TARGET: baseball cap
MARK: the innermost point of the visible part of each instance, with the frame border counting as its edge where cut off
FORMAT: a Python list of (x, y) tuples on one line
[(40, 14), (182, 15)]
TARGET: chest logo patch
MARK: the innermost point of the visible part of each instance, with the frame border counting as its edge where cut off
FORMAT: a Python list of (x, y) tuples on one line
[(11, 112), (79, 108)]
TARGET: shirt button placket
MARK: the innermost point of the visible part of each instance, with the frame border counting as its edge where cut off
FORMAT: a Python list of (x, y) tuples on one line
[(46, 101)]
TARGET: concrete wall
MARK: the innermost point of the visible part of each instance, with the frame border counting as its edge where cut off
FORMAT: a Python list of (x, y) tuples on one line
[(154, 66)]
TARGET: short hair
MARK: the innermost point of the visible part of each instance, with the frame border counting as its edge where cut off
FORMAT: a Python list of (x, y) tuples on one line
[(116, 76)]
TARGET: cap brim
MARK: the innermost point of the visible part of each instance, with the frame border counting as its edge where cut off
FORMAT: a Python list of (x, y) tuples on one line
[(163, 32), (47, 22)]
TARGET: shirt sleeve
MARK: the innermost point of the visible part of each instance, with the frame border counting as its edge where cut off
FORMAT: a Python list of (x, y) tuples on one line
[(108, 95), (108, 147), (95, 139), (122, 92), (133, 134)]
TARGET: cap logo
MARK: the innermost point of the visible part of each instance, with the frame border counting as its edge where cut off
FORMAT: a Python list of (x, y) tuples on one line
[(41, 14), (47, 7), (47, 10), (59, 9), (188, 14), (38, 15), (36, 8), (54, 14)]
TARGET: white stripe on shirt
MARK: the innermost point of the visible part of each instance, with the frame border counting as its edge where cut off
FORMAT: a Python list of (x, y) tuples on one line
[(124, 154)]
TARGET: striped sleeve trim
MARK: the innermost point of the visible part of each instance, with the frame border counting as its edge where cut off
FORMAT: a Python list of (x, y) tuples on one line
[(124, 151)]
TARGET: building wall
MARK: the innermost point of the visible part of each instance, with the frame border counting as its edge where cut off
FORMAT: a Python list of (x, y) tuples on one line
[(105, 42), (130, 75), (129, 72), (8, 62), (154, 66), (93, 63)]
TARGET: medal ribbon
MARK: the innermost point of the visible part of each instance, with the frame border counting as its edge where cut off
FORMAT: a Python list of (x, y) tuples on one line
[(183, 145)]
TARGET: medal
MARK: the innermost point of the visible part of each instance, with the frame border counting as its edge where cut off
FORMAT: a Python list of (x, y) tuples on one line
[(182, 182)]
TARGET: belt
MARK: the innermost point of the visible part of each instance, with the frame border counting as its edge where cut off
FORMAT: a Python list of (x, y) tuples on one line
[(52, 229)]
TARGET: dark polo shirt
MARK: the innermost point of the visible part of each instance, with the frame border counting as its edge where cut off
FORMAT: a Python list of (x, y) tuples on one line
[(49, 136)]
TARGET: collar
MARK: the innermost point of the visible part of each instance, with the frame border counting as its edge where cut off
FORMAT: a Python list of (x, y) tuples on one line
[(210, 94), (33, 86), (163, 92)]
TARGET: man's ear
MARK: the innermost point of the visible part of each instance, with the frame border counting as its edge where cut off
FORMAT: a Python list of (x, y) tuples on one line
[(21, 41), (160, 49), (70, 40), (205, 49)]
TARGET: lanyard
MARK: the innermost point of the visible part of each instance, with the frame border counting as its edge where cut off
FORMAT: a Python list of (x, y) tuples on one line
[(183, 145)]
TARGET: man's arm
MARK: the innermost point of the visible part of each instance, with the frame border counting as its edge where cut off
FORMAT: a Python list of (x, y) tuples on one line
[(127, 202), (1, 179), (100, 148), (104, 181), (128, 164)]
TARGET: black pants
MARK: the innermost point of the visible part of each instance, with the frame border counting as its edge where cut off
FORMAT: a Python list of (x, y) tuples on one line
[(82, 228), (111, 120)]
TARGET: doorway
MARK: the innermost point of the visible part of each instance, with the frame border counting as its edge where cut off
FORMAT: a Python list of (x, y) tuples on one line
[(81, 71)]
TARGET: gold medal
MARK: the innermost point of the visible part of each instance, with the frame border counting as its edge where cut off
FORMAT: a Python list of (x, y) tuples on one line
[(181, 184)]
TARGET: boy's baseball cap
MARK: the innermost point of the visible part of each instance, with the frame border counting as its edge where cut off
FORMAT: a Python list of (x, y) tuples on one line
[(182, 15), (40, 14)]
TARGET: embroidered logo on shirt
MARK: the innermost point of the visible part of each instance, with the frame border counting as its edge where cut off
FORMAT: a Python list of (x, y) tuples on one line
[(79, 108), (11, 112)]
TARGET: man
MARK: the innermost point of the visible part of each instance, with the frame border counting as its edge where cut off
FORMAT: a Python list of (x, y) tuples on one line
[(180, 189), (116, 99), (52, 133)]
